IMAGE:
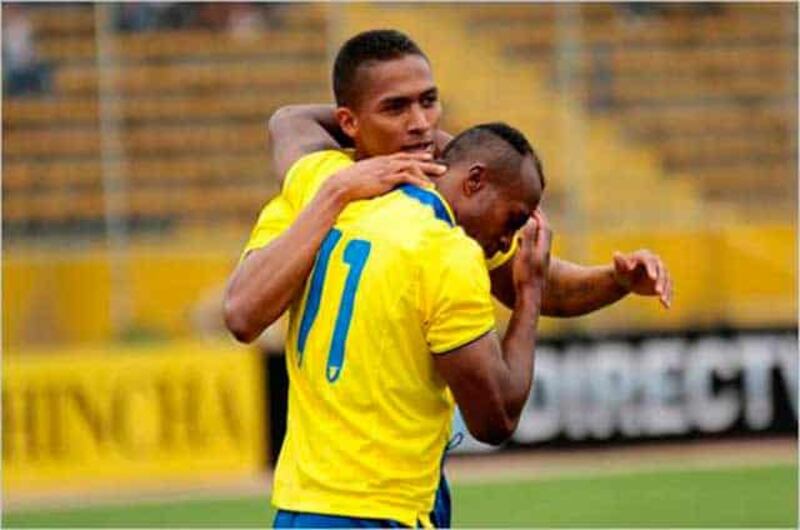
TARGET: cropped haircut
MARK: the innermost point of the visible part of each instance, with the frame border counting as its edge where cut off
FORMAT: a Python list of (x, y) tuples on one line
[(362, 49), (502, 146)]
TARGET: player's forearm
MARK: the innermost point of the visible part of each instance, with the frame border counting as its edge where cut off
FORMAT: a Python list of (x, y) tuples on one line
[(269, 279), (575, 290), (297, 130), (572, 290), (519, 346)]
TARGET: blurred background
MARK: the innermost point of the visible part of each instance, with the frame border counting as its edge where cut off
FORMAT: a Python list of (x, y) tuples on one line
[(136, 159)]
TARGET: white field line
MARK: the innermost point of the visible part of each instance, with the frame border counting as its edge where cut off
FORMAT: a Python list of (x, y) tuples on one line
[(545, 465), (514, 465)]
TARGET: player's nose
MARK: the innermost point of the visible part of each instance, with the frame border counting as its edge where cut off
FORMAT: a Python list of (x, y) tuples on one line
[(418, 120)]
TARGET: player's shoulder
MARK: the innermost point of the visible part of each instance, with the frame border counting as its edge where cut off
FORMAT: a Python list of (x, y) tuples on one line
[(452, 247), (439, 237), (316, 165), (443, 236)]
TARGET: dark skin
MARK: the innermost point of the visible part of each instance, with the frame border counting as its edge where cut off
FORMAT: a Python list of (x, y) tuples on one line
[(490, 378), (398, 110), (572, 289), (266, 282)]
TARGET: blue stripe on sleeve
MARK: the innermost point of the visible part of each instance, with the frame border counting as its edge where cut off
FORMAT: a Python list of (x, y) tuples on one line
[(428, 198)]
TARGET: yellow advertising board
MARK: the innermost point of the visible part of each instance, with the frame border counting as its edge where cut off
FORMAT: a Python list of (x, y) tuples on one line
[(135, 415)]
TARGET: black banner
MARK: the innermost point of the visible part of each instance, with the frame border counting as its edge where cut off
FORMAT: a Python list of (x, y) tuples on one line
[(666, 387), (631, 388)]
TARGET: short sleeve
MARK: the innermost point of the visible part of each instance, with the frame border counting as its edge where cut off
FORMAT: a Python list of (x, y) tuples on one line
[(456, 294), (302, 182), (274, 219)]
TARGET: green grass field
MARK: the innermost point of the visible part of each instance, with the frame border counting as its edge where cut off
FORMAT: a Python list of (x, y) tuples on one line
[(740, 497)]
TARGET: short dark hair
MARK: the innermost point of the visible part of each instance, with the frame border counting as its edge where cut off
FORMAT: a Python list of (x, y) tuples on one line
[(369, 46), (490, 136)]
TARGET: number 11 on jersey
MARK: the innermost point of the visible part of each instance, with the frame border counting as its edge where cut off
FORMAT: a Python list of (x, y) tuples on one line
[(355, 256)]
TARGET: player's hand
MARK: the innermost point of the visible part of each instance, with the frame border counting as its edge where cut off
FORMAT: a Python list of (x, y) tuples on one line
[(532, 262), (381, 174), (643, 273)]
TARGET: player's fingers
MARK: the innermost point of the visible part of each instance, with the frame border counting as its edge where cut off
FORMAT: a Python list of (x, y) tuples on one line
[(620, 263), (531, 227), (414, 169), (627, 262), (662, 277), (545, 237), (656, 284), (408, 177), (420, 167), (538, 217), (543, 216), (666, 297), (528, 235), (650, 266), (670, 292), (404, 162), (433, 169), (543, 232), (542, 221), (528, 230), (398, 164), (419, 155)]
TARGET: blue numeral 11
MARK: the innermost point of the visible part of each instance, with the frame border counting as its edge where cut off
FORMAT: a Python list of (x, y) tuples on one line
[(356, 253)]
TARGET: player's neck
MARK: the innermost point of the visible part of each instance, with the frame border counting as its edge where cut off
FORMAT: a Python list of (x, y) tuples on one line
[(447, 193), (360, 154)]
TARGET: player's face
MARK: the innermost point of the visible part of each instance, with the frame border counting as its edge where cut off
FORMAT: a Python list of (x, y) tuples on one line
[(494, 215), (398, 108)]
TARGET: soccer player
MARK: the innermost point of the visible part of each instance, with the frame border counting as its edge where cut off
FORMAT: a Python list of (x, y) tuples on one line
[(399, 86), (395, 317), (406, 121)]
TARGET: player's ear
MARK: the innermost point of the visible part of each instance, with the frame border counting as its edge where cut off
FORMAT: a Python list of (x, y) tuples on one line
[(476, 179), (347, 121)]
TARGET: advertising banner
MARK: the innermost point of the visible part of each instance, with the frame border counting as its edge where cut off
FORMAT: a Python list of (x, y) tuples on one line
[(658, 387), (132, 415)]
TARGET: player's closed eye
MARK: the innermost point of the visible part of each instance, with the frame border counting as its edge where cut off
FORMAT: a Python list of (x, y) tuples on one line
[(429, 101), (395, 106)]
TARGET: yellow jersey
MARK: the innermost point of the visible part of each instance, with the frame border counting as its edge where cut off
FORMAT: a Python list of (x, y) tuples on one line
[(394, 281)]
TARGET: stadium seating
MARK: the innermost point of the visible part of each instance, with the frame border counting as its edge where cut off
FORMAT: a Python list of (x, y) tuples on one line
[(166, 130), (186, 121), (711, 92), (701, 89)]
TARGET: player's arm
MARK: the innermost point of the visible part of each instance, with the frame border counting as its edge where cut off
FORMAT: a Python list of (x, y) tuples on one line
[(267, 280), (491, 379), (572, 289), (298, 130), (575, 290)]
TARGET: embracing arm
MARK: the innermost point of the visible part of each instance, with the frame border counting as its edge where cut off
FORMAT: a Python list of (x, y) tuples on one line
[(575, 290), (572, 290), (297, 130), (264, 284)]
